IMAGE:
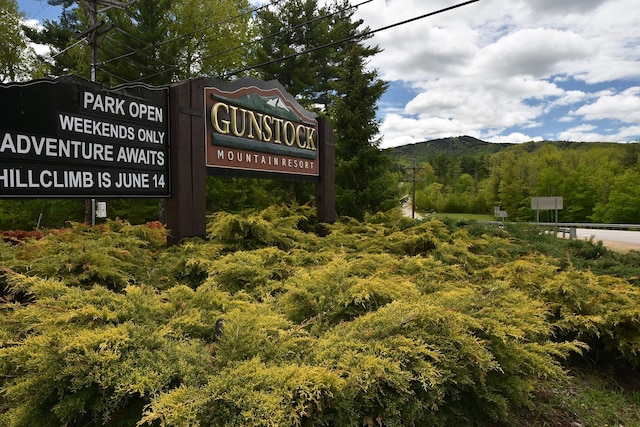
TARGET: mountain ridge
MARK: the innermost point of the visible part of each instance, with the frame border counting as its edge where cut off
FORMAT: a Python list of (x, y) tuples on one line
[(458, 146), (468, 146)]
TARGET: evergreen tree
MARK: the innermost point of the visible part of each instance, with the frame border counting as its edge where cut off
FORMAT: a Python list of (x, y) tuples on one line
[(292, 28), (67, 54), (333, 80), (364, 179), (135, 49)]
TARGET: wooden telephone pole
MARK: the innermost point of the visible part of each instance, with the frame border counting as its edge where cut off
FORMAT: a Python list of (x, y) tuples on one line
[(414, 169), (95, 29)]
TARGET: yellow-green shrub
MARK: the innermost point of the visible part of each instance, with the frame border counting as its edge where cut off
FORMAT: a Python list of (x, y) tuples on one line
[(391, 321)]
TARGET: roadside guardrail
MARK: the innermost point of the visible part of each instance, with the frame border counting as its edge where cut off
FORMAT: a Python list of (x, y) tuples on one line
[(589, 225)]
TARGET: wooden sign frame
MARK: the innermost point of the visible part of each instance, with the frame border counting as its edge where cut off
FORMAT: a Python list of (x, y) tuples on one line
[(186, 209)]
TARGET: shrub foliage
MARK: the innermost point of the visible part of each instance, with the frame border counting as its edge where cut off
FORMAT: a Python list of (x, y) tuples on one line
[(387, 322)]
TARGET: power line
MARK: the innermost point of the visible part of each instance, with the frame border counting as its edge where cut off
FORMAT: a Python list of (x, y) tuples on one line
[(128, 34), (348, 39), (118, 42), (122, 79), (261, 39), (362, 35), (104, 70), (67, 48), (244, 45), (206, 27), (149, 45), (42, 7), (224, 21)]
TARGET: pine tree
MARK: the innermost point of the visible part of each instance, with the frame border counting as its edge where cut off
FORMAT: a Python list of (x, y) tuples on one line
[(333, 80), (67, 55), (364, 178), (290, 50)]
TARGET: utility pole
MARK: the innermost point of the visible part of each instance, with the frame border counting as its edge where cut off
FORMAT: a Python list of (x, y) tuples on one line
[(93, 39), (93, 31), (414, 169), (97, 28), (90, 204)]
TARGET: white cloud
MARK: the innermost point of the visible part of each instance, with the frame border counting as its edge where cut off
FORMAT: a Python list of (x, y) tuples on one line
[(515, 137), (415, 53), (500, 70), (535, 52), (570, 97), (624, 107), (400, 130), (476, 104), (589, 134)]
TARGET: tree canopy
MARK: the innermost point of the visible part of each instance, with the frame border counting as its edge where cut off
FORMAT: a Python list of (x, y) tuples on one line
[(17, 57), (598, 181), (151, 41)]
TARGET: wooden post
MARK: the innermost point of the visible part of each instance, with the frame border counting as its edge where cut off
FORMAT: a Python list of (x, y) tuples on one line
[(186, 208), (325, 188)]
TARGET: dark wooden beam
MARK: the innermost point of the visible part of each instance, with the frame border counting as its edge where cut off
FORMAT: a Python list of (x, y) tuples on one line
[(325, 188), (186, 208)]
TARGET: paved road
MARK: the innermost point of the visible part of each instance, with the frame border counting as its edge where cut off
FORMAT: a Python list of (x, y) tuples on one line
[(614, 239)]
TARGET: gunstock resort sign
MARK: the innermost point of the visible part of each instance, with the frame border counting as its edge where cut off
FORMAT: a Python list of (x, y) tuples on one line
[(257, 126), (72, 138)]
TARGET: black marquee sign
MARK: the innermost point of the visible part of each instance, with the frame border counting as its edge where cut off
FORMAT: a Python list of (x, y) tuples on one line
[(71, 138)]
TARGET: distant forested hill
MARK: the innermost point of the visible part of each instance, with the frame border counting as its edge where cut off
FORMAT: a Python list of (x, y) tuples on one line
[(599, 181), (458, 146), (468, 146)]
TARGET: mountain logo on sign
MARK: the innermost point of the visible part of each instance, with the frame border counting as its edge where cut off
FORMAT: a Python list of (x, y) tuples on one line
[(273, 105), (277, 103)]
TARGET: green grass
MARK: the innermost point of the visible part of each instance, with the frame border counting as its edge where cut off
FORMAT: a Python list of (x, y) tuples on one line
[(464, 217), (590, 399)]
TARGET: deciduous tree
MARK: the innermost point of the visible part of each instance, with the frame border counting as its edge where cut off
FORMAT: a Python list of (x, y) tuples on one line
[(151, 41), (16, 56)]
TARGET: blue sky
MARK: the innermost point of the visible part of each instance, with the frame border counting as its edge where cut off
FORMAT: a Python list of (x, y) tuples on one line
[(38, 9), (500, 70), (509, 71)]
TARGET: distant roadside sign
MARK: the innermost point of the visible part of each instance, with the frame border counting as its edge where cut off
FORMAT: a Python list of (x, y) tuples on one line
[(546, 203)]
